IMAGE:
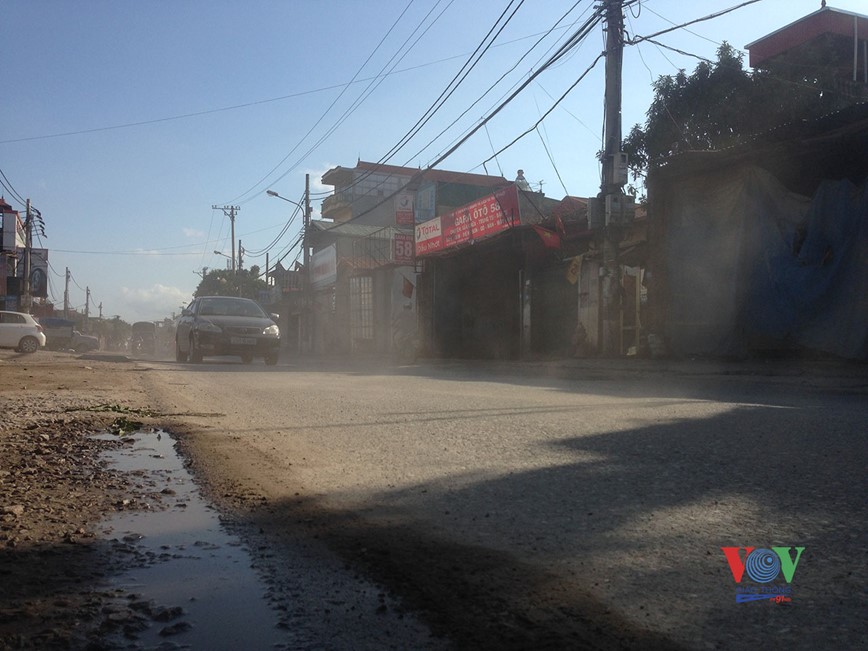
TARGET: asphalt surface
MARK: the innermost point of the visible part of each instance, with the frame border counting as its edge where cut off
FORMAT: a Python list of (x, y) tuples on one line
[(576, 504)]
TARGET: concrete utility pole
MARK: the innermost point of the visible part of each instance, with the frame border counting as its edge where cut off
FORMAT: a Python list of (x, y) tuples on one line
[(66, 295), (86, 308), (306, 324), (613, 209), (614, 62), (26, 299), (230, 211)]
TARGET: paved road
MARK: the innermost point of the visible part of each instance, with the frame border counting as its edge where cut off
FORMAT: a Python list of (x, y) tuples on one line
[(503, 505)]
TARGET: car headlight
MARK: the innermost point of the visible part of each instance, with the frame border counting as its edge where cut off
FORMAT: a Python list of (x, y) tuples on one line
[(271, 331), (207, 326)]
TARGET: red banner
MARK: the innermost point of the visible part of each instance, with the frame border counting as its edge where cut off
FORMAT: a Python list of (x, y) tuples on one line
[(475, 221)]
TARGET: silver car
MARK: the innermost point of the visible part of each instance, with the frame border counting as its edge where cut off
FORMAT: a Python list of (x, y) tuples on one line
[(21, 332)]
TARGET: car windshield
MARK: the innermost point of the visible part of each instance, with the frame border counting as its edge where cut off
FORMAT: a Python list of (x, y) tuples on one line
[(229, 307)]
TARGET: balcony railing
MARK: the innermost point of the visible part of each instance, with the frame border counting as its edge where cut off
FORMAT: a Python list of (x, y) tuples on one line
[(337, 201)]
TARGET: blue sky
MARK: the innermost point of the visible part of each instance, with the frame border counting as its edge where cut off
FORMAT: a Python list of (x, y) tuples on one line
[(125, 121)]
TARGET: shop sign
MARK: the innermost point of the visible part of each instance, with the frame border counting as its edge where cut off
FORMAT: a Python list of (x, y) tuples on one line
[(404, 210), (428, 236), (402, 248), (324, 267), (478, 220)]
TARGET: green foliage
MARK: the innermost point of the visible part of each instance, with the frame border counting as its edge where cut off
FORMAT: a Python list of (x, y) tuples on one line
[(225, 282), (721, 104), (114, 332)]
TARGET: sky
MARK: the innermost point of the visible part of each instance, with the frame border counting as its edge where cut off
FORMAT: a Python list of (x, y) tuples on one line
[(125, 121)]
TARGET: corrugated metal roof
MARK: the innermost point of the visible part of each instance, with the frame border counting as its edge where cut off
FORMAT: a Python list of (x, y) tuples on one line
[(439, 176), (352, 229)]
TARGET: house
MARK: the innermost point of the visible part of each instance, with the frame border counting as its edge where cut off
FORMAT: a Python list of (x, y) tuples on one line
[(763, 247), (829, 44), (363, 269)]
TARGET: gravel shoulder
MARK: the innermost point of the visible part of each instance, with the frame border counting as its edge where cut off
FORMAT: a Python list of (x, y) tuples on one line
[(55, 490)]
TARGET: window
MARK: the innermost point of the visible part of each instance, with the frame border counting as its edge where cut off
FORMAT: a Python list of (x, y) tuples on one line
[(362, 307)]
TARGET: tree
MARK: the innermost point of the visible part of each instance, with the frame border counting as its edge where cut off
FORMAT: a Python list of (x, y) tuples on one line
[(225, 282), (721, 104)]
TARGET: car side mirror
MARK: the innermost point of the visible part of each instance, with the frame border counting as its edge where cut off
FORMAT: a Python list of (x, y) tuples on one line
[(186, 312), (274, 317)]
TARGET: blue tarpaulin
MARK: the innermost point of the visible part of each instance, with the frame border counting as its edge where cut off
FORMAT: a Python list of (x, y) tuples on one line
[(752, 266)]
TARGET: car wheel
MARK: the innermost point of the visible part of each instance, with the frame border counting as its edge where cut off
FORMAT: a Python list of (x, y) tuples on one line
[(180, 355), (28, 345), (195, 352), (271, 359), (247, 358)]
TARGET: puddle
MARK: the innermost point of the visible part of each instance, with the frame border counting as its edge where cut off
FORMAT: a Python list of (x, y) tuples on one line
[(191, 583)]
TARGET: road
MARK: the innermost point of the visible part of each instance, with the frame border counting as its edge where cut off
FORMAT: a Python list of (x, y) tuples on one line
[(507, 509)]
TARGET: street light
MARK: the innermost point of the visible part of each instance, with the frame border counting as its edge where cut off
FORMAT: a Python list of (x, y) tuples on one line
[(305, 211), (216, 252), (272, 193)]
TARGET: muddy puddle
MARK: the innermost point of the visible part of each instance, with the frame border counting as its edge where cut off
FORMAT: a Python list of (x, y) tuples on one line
[(190, 583)]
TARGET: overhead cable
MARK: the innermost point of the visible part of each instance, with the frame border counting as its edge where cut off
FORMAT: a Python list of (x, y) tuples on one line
[(639, 39), (328, 109)]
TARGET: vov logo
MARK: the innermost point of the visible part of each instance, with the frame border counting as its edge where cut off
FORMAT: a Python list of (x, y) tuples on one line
[(764, 568)]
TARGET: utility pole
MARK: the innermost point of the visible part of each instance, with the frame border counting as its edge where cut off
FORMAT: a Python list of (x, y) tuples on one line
[(66, 295), (614, 62), (86, 308), (230, 211), (306, 324), (612, 209), (26, 299), (100, 310), (240, 256)]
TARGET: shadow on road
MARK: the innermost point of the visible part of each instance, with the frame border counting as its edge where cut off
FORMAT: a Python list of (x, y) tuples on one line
[(621, 548)]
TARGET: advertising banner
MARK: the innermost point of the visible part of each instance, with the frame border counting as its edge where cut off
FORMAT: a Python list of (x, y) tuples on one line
[(404, 210), (38, 272), (402, 248), (478, 220), (429, 236), (324, 267)]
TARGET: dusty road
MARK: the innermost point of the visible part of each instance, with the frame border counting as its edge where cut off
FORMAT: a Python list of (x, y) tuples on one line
[(455, 505), (507, 510)]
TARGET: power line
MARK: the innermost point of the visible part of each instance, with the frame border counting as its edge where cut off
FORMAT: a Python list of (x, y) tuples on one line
[(639, 39), (367, 92), (182, 116), (572, 42), (494, 85), (456, 81), (266, 249), (554, 106), (569, 44), (6, 184), (329, 108)]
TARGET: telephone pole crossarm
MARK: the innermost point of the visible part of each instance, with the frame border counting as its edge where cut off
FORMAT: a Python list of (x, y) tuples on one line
[(229, 211)]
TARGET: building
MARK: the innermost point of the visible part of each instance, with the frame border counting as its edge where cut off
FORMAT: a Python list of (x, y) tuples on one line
[(763, 247), (517, 275), (363, 269), (829, 44)]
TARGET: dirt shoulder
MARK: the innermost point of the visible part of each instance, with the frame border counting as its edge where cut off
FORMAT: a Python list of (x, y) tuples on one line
[(55, 490)]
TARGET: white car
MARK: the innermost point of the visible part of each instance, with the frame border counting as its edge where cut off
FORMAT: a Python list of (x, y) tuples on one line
[(21, 332)]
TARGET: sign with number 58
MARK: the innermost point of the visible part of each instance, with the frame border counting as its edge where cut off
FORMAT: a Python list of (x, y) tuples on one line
[(402, 248)]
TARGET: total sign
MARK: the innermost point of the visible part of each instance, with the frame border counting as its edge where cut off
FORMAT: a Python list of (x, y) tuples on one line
[(429, 236)]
